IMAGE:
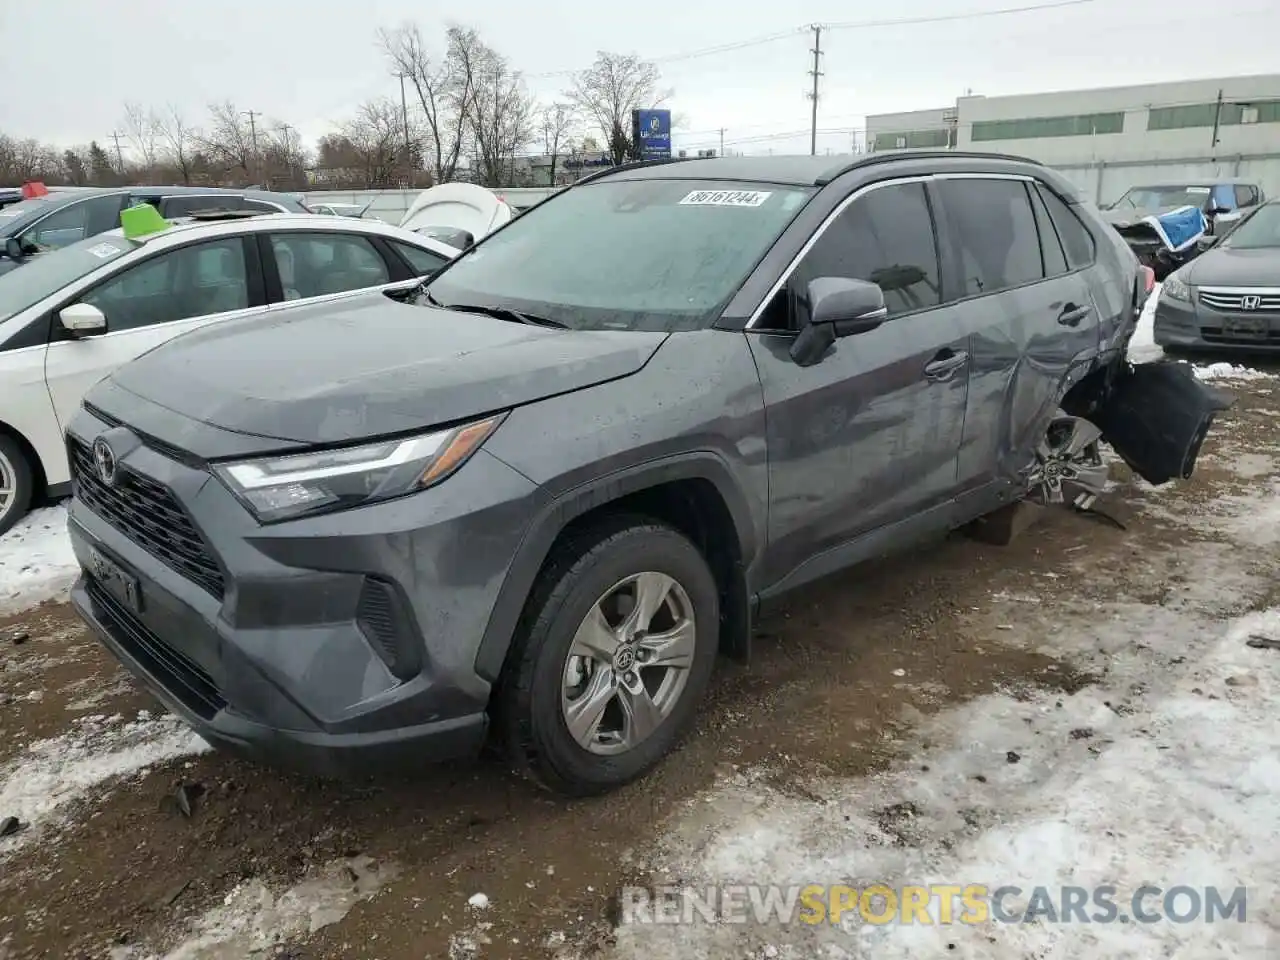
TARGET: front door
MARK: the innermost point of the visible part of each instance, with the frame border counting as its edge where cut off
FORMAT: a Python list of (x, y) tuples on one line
[(870, 434), (147, 304)]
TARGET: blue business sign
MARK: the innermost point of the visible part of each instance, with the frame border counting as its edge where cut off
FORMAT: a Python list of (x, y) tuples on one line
[(651, 130)]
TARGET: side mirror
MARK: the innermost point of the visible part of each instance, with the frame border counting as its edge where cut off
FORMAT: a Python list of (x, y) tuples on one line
[(1217, 211), (82, 320), (838, 307), (13, 248)]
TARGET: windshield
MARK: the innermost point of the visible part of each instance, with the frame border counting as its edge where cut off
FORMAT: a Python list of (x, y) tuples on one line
[(1159, 198), (47, 273), (657, 254), (1260, 231)]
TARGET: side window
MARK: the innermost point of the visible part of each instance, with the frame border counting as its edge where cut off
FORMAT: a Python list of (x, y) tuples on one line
[(1055, 259), (247, 203), (422, 261), (313, 264), (194, 281), (885, 236), (1246, 196), (1224, 196), (1076, 240), (993, 233), (61, 228)]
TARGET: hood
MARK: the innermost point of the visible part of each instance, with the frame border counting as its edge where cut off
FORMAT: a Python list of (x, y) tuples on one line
[(369, 366), (1226, 267), (1128, 216)]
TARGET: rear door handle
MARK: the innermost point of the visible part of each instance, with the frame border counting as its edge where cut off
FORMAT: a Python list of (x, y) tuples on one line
[(1071, 315), (944, 366)]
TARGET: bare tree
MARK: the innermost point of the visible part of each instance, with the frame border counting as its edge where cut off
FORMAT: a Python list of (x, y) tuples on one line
[(179, 140), (609, 90), (229, 141), (370, 146), (498, 110), (558, 122), (142, 129), (441, 93)]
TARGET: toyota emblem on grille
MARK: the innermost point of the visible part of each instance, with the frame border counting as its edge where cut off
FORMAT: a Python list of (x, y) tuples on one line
[(104, 461), (1251, 302)]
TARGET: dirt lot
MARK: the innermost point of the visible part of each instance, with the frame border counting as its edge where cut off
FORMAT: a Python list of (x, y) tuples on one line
[(113, 865)]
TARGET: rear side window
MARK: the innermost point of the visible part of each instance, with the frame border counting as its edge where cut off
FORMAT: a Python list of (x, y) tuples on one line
[(186, 206), (992, 230), (422, 261), (885, 236), (1246, 196), (1055, 259), (248, 203), (1076, 240)]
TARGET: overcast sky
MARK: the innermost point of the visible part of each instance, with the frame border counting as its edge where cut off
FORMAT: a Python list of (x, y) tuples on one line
[(69, 65)]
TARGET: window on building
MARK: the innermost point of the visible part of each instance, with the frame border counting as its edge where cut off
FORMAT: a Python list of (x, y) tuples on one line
[(1206, 114), (1031, 128), (910, 140)]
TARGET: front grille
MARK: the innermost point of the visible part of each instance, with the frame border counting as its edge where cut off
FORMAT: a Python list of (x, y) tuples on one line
[(1221, 300), (147, 513), (178, 673)]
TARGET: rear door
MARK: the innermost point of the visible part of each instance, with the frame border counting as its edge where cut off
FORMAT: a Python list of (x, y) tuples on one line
[(149, 302), (868, 435), (313, 264), (1029, 319)]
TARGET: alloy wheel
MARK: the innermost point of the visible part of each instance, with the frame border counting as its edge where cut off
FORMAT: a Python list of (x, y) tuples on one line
[(629, 663)]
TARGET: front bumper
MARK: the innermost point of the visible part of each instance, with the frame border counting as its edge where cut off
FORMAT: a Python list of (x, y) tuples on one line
[(336, 644), (1192, 326)]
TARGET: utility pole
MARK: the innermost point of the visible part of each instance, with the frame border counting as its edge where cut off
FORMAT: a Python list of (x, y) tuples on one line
[(116, 135), (722, 141), (1217, 117), (404, 116), (816, 73), (253, 138)]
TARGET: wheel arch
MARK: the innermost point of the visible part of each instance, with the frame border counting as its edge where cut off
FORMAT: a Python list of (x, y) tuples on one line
[(39, 479), (694, 493)]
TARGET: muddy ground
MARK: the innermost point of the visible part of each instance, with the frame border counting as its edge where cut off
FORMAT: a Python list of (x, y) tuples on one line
[(122, 871)]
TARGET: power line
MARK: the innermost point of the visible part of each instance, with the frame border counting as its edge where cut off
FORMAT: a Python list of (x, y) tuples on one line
[(945, 18)]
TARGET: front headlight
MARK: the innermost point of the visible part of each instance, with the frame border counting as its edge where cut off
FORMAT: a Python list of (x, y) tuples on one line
[(1175, 288), (278, 488)]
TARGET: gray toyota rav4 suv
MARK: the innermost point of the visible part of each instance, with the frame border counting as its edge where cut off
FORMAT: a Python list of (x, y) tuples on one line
[(537, 495)]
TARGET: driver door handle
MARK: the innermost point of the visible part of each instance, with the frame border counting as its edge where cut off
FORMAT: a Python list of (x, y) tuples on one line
[(944, 366), (1071, 315)]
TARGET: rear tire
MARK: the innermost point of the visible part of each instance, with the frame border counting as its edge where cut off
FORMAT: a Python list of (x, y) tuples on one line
[(584, 654), (15, 484)]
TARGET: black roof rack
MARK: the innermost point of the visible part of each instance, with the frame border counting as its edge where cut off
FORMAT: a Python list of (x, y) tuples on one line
[(889, 156)]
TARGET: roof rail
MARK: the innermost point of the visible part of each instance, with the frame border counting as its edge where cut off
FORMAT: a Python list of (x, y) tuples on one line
[(633, 165), (889, 156)]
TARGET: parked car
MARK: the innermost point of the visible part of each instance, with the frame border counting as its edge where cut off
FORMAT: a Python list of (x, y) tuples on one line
[(76, 314), (1220, 203), (458, 214), (55, 218), (543, 493), (1229, 297)]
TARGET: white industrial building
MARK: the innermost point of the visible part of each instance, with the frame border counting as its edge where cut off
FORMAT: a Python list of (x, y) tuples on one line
[(1109, 139)]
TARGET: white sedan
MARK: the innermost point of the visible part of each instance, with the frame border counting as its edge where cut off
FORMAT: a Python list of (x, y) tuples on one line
[(70, 317)]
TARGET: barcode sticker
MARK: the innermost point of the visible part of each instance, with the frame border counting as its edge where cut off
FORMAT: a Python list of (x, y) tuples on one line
[(727, 198)]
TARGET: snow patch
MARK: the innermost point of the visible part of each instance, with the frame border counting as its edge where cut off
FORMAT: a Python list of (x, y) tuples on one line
[(1142, 346), (1228, 371), (52, 773), (36, 560), (252, 918)]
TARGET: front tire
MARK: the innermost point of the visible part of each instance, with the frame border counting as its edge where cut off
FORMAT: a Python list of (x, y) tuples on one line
[(15, 484), (613, 654)]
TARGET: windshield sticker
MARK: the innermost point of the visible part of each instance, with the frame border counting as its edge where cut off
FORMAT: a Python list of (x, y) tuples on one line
[(727, 198), (1204, 190), (104, 250)]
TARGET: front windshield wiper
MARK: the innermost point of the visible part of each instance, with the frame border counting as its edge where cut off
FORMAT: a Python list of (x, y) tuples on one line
[(500, 313)]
